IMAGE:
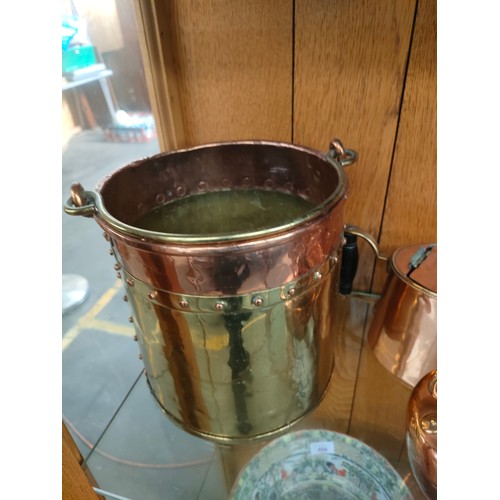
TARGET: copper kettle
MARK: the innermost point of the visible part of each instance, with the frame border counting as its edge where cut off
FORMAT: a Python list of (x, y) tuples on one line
[(421, 435)]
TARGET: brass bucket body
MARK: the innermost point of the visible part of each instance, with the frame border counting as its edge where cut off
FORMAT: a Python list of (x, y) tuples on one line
[(234, 329)]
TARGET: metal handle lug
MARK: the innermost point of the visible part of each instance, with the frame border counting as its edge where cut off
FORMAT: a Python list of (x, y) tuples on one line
[(339, 153), (81, 202)]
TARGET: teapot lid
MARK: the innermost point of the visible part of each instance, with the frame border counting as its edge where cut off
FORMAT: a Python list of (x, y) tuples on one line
[(417, 265)]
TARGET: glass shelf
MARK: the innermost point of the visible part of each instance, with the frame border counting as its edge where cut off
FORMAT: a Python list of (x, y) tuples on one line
[(142, 455)]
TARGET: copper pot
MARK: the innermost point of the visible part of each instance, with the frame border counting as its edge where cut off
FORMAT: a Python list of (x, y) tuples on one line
[(234, 329), (403, 329), (421, 436)]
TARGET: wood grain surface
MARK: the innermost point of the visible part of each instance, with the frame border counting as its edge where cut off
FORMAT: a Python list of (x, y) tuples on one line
[(234, 66), (362, 71), (75, 484), (224, 71), (411, 210), (350, 61), (155, 40)]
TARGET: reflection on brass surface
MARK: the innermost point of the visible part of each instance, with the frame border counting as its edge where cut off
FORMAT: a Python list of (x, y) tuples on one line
[(403, 331), (244, 382), (421, 437), (234, 329)]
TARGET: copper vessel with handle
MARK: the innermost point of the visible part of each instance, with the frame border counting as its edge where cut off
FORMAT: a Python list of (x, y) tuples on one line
[(234, 329), (421, 435), (403, 330)]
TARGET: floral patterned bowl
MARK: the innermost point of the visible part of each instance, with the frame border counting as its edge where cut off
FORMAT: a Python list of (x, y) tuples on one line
[(319, 465)]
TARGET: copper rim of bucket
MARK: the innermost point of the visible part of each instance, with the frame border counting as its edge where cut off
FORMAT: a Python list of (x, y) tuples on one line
[(90, 203)]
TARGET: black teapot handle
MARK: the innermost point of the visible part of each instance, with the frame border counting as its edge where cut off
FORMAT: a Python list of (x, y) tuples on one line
[(349, 265)]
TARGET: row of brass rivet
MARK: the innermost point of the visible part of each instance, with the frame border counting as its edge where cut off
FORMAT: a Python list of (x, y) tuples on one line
[(257, 300), (117, 267), (219, 306)]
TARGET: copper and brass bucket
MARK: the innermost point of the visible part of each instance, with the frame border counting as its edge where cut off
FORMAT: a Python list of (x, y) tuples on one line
[(235, 329)]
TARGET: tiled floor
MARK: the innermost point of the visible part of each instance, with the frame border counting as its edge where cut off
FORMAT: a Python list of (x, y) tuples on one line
[(142, 455)]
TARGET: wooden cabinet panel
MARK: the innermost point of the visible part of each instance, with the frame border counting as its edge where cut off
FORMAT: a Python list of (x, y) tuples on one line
[(228, 74), (409, 217), (411, 210), (75, 484), (234, 67), (350, 61), (155, 40), (359, 70)]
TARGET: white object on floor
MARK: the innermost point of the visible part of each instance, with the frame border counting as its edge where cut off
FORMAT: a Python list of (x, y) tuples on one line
[(75, 290)]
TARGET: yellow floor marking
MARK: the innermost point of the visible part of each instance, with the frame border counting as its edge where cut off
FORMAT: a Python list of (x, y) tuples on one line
[(87, 318), (110, 327)]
